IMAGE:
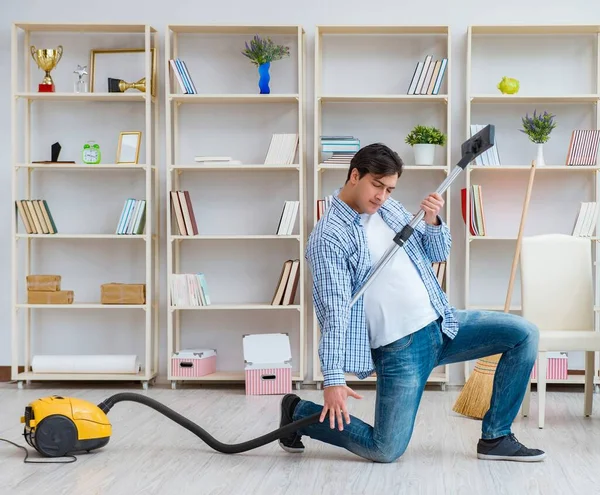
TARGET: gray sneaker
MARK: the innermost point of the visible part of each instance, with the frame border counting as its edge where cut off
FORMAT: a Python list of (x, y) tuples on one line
[(508, 448)]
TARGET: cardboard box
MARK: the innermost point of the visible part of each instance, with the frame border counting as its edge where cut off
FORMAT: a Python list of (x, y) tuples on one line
[(115, 293), (48, 297), (49, 283), (557, 366), (268, 369), (194, 363)]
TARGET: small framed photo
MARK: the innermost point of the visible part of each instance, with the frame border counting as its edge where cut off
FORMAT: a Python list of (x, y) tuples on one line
[(128, 149)]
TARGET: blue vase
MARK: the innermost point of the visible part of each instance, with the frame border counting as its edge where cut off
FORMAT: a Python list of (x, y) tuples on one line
[(264, 78)]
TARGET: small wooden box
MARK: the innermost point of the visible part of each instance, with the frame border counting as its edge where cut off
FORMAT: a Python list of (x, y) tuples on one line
[(115, 293), (48, 283), (50, 297)]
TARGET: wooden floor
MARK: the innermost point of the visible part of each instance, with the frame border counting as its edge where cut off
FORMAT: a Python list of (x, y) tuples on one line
[(149, 454)]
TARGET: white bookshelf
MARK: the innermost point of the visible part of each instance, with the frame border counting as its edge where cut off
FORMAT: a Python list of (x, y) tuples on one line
[(85, 201), (237, 206), (362, 77), (560, 82)]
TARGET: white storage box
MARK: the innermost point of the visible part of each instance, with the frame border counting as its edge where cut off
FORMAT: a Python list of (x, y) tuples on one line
[(194, 363), (268, 368)]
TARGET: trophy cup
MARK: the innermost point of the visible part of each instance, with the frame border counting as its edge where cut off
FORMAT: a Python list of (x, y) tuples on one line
[(46, 59), (120, 86)]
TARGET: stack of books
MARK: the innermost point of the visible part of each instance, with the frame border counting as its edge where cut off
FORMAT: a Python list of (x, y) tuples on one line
[(36, 216), (586, 220), (189, 289), (477, 220), (583, 147), (338, 149), (183, 213), (133, 217), (428, 76), (323, 205), (282, 149), (285, 291), (183, 76), (287, 221)]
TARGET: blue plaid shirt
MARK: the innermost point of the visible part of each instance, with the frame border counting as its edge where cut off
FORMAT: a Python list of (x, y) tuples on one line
[(339, 258)]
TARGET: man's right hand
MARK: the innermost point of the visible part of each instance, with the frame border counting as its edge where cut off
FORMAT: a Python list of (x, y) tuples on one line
[(335, 403)]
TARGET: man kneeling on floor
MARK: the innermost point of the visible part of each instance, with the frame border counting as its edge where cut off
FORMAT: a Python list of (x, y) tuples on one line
[(402, 327)]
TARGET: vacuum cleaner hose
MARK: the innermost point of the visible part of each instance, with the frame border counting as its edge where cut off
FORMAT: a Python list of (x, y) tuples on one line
[(212, 442)]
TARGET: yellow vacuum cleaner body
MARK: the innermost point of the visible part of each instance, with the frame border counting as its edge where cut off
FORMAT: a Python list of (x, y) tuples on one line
[(56, 426)]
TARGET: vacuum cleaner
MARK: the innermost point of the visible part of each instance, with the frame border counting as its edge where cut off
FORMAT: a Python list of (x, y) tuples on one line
[(57, 426)]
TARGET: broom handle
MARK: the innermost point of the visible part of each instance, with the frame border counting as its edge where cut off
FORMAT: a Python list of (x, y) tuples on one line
[(515, 262)]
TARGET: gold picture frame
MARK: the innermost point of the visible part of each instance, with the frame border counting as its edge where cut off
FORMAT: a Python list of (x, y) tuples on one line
[(115, 51), (128, 150)]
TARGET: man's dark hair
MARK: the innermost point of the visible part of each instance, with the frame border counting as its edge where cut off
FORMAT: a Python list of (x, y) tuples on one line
[(376, 159)]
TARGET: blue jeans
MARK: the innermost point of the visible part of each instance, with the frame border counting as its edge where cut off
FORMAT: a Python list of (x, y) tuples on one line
[(404, 366)]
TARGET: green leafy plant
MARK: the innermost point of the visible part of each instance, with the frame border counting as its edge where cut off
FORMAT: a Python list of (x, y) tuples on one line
[(539, 127), (260, 51), (422, 134)]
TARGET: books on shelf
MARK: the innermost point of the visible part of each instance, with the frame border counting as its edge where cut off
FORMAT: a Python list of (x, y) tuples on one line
[(323, 205), (477, 217), (586, 220), (338, 150), (428, 76), (489, 157), (36, 217), (133, 217), (183, 76), (189, 289), (583, 147), (285, 291), (282, 149), (183, 213), (288, 218)]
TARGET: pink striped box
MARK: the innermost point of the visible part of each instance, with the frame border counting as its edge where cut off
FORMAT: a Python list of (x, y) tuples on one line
[(557, 367), (268, 369), (193, 363)]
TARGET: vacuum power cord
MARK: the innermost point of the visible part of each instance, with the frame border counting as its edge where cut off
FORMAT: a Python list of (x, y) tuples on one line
[(69, 458)]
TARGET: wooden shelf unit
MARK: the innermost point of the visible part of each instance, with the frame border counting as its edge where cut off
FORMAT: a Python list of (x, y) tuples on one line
[(520, 45), (182, 171), (24, 96), (434, 40)]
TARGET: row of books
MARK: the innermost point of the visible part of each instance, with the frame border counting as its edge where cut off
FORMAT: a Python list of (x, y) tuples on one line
[(288, 218), (183, 76), (439, 269), (428, 76), (323, 205), (489, 157), (583, 147), (586, 220), (183, 213), (477, 217), (189, 289), (36, 217), (282, 149), (285, 291), (133, 217)]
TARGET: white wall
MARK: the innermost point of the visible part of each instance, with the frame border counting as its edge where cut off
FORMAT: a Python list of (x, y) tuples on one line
[(107, 328)]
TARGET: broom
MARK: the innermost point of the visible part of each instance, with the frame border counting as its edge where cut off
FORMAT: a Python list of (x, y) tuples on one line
[(474, 399)]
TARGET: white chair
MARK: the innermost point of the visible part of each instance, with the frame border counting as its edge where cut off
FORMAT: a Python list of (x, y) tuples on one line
[(557, 295)]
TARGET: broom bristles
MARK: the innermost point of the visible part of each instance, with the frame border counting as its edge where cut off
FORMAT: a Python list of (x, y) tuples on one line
[(474, 399)]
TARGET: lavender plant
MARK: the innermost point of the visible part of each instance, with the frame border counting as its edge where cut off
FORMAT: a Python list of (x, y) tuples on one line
[(538, 127), (261, 51)]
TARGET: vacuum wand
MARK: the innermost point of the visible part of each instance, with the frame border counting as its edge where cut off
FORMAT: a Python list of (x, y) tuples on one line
[(471, 149)]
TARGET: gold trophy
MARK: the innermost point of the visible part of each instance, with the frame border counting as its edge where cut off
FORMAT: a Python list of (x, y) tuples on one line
[(120, 86), (46, 59)]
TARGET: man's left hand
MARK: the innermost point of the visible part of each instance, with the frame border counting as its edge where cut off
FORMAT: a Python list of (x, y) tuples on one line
[(432, 205)]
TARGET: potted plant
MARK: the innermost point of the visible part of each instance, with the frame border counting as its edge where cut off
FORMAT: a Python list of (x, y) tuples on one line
[(538, 128), (424, 139), (261, 53)]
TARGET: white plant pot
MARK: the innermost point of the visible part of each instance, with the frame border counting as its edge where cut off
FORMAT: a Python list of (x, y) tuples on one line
[(424, 154)]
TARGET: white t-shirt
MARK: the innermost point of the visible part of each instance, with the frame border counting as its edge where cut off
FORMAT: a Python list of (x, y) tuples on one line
[(396, 303)]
